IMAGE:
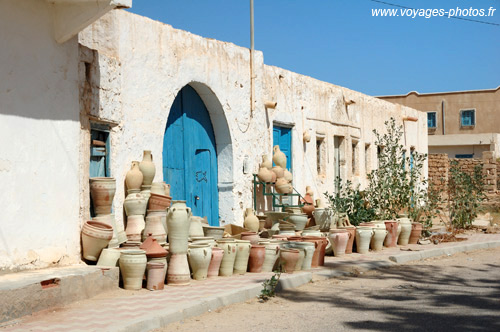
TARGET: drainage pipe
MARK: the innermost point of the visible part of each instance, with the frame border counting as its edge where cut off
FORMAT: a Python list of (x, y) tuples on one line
[(442, 115)]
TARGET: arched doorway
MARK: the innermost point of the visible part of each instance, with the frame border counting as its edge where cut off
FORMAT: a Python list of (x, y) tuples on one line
[(189, 155)]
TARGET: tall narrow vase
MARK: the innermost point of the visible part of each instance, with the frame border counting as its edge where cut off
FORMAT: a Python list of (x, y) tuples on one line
[(147, 168)]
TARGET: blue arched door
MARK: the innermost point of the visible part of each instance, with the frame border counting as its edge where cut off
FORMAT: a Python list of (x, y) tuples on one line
[(189, 155)]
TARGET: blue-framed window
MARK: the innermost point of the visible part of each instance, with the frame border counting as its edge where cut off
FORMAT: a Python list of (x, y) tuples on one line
[(467, 118), (431, 120), (464, 156)]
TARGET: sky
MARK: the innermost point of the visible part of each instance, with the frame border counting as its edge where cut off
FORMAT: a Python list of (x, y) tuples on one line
[(339, 41)]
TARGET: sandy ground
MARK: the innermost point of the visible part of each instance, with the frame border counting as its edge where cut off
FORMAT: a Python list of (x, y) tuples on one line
[(448, 293)]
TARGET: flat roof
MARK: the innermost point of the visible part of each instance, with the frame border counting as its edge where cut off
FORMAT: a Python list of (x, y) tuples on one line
[(439, 93)]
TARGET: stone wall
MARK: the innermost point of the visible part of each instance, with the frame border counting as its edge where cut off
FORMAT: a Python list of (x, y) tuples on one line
[(439, 166)]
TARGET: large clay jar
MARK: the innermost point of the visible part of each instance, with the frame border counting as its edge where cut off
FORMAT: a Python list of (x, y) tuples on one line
[(363, 237), (134, 178), (110, 220), (135, 204), (159, 202), (322, 251), (339, 239), (109, 257), (135, 226), (405, 231), (196, 227), (178, 227), (278, 171), (288, 259), (102, 191), (323, 218), (155, 276), (158, 188), (309, 249), (300, 261), (288, 176), (242, 255), (391, 240), (147, 168), (272, 254), (279, 158), (264, 174), (178, 269), (213, 268), (352, 236), (155, 228), (266, 162), (227, 263), (95, 237), (257, 257), (377, 241), (253, 237), (132, 267), (317, 248), (251, 221), (163, 216), (416, 232), (282, 186), (199, 256)]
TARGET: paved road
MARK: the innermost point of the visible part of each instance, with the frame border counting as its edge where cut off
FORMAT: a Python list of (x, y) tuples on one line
[(456, 293)]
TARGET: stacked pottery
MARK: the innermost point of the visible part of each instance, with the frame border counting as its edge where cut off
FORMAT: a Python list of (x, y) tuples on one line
[(266, 162), (132, 267), (309, 249), (391, 240), (135, 204), (299, 220), (135, 227), (363, 238), (203, 240), (118, 237), (251, 221), (155, 253), (213, 231), (352, 236), (160, 188), (227, 263), (264, 174), (196, 227), (147, 168), (279, 158), (404, 237), (134, 178), (257, 258), (288, 259), (323, 218), (416, 232), (155, 276), (272, 255), (102, 191), (283, 186), (155, 227), (159, 202), (199, 256), (253, 237), (278, 171), (308, 207), (163, 216), (178, 232), (242, 256), (95, 237), (339, 239), (214, 266), (109, 257)]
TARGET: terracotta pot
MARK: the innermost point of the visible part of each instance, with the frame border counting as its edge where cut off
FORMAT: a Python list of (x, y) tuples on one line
[(253, 237), (279, 158), (339, 239), (300, 261), (317, 248), (227, 263), (352, 237), (213, 231), (251, 221), (109, 257), (134, 177), (308, 209), (102, 191), (257, 257), (155, 228), (288, 176), (163, 216), (199, 256), (274, 177), (322, 250), (309, 249), (196, 227), (377, 241), (264, 174), (159, 188), (95, 237), (147, 168), (404, 236), (178, 228), (416, 232), (272, 254), (299, 220), (242, 256), (135, 226), (159, 202), (110, 220), (132, 267), (288, 259), (363, 238), (391, 240), (178, 270), (135, 204), (279, 172), (266, 162), (213, 268), (155, 276)]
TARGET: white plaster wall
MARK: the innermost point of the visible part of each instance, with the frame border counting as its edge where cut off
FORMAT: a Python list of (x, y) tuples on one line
[(39, 135)]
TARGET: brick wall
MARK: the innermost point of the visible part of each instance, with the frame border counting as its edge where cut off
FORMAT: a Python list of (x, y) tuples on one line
[(439, 166)]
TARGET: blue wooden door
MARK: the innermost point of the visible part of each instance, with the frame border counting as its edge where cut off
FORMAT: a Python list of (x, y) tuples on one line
[(189, 155), (282, 136)]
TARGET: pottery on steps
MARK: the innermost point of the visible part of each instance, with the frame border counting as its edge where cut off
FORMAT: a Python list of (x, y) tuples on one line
[(154, 227), (147, 168), (251, 221), (279, 158), (196, 227), (256, 258), (102, 192), (178, 270), (264, 174), (132, 267), (159, 188), (272, 254), (288, 259), (159, 202), (110, 220), (227, 263), (213, 231), (299, 220), (279, 172), (135, 227), (155, 276), (178, 227), (135, 204), (134, 177), (253, 237), (266, 162), (109, 257), (95, 237), (242, 256), (199, 256), (214, 266), (163, 216)]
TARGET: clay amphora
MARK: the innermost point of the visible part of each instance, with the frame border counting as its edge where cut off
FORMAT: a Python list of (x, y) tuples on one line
[(154, 227), (310, 193), (391, 240), (352, 237), (377, 241), (109, 257), (339, 239), (416, 232), (363, 238), (102, 191), (405, 231), (135, 226), (309, 249), (158, 188), (159, 202), (163, 216), (278, 171), (135, 204), (251, 221), (282, 186), (288, 176), (199, 256), (155, 276), (227, 263), (265, 175), (272, 254), (196, 227), (213, 268), (288, 259), (178, 270), (266, 162), (147, 168), (95, 237), (257, 257), (242, 255), (279, 158), (253, 237), (178, 227), (134, 177), (317, 248), (132, 267), (306, 137)]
